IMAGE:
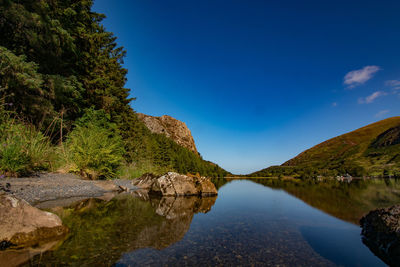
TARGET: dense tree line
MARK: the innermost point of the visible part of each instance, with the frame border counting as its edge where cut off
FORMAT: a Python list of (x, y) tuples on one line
[(310, 171), (57, 61)]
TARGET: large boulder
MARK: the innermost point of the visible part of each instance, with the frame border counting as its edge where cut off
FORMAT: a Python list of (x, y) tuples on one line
[(174, 184), (24, 225), (381, 233)]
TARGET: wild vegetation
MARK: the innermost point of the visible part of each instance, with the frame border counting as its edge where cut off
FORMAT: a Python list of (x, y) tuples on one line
[(59, 69), (373, 150), (23, 149)]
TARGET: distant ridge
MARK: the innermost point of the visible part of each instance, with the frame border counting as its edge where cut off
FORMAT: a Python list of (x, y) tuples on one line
[(371, 150)]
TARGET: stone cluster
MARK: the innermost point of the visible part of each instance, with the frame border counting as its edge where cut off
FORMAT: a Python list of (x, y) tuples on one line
[(174, 184)]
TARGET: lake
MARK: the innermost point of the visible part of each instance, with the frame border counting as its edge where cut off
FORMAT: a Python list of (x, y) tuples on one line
[(258, 222)]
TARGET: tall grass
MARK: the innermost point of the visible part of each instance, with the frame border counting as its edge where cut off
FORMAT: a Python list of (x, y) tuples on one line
[(23, 149)]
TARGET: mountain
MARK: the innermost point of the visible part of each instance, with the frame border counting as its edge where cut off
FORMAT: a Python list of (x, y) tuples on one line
[(371, 150), (171, 128)]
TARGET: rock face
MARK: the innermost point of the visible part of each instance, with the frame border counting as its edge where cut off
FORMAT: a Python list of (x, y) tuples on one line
[(24, 225), (390, 137), (174, 184), (381, 233), (170, 127)]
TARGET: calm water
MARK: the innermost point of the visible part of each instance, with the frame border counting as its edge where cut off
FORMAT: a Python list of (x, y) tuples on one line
[(250, 223)]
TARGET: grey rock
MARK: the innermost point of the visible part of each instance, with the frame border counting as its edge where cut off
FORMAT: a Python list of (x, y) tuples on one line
[(381, 233)]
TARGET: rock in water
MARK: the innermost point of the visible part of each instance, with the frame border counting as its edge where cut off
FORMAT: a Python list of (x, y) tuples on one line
[(171, 128), (381, 233), (174, 184), (24, 225)]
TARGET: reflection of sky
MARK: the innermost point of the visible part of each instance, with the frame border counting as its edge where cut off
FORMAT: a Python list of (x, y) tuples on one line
[(252, 223)]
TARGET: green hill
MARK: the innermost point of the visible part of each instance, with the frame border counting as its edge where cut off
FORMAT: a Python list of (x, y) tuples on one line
[(371, 150)]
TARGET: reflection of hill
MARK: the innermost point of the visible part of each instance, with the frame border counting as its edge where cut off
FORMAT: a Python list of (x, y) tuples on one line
[(346, 201), (102, 231)]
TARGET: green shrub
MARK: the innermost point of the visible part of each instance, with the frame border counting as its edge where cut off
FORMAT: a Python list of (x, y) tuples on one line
[(94, 148), (137, 169), (23, 149)]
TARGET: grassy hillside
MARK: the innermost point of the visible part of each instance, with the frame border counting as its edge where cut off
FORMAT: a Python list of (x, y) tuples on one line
[(370, 150)]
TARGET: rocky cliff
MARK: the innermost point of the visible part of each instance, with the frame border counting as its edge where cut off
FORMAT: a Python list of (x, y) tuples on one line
[(170, 127)]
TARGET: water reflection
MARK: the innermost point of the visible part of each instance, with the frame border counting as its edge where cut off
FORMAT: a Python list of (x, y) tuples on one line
[(254, 225), (339, 245), (258, 222), (346, 201), (17, 257), (101, 231)]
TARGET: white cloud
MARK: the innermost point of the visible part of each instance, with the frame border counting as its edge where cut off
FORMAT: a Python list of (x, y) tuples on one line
[(357, 77), (382, 113), (371, 98), (395, 84), (392, 83)]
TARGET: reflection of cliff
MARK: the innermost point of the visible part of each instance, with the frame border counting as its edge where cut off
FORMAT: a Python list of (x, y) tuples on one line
[(178, 213), (102, 231)]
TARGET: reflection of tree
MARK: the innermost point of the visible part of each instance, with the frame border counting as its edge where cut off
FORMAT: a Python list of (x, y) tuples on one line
[(346, 201), (102, 231), (220, 182)]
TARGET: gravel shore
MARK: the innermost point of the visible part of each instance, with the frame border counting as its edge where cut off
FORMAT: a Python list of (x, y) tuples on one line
[(58, 186)]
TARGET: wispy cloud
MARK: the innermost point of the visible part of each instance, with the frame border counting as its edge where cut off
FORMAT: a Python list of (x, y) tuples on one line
[(334, 104), (371, 98), (382, 113), (357, 77), (395, 84)]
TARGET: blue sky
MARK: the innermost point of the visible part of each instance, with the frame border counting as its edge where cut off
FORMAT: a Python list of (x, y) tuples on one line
[(258, 82)]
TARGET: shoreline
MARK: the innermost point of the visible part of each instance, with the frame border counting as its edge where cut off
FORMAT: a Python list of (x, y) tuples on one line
[(48, 190)]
